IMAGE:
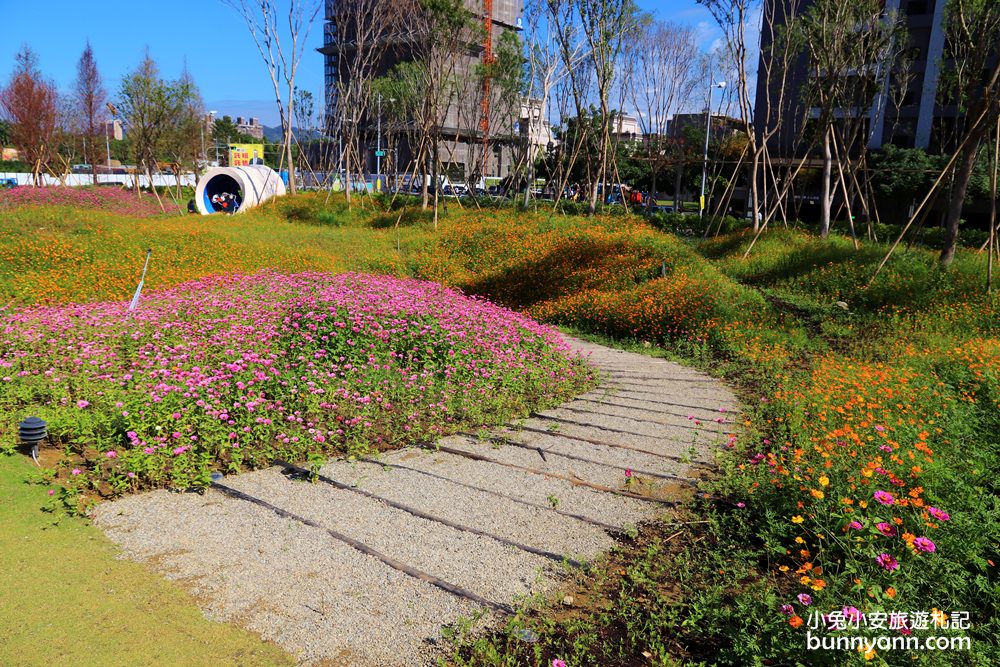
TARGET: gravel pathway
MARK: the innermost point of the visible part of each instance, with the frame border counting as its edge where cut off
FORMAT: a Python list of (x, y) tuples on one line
[(494, 517)]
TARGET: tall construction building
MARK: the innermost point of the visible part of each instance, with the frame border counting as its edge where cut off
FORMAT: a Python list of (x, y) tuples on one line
[(469, 130), (906, 112)]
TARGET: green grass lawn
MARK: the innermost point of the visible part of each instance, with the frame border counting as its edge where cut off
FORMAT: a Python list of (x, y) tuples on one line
[(68, 600)]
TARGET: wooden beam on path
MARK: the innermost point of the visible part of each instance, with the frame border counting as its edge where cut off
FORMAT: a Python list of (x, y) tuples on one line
[(369, 551), (535, 471), (548, 508), (559, 558)]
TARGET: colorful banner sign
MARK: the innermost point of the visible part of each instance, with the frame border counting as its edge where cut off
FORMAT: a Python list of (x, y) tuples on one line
[(241, 155)]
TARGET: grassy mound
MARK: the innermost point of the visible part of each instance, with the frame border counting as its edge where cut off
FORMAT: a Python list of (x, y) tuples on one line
[(232, 372), (77, 199)]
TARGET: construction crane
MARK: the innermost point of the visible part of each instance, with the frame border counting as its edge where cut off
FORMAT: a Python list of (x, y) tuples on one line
[(488, 59)]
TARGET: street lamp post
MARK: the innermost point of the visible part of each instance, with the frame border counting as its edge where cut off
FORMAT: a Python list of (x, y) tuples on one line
[(708, 132), (394, 143), (378, 148)]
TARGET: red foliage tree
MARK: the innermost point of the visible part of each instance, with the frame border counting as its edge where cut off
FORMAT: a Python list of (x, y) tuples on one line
[(30, 104)]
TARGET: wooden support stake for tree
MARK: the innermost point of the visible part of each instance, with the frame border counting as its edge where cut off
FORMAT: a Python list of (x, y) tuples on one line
[(932, 191)]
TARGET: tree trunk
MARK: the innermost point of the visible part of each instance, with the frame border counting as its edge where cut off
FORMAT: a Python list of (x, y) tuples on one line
[(826, 197), (601, 168), (678, 201), (754, 191), (963, 173)]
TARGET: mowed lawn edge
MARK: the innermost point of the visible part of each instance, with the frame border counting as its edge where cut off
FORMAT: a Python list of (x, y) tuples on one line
[(69, 600)]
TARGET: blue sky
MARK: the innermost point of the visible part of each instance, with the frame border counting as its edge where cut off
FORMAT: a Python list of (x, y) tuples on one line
[(206, 34)]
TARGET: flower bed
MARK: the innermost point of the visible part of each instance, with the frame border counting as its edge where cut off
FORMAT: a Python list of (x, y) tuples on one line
[(232, 372), (111, 199)]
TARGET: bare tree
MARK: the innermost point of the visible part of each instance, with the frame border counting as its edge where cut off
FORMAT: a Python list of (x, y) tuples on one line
[(545, 69), (850, 47), (734, 18), (606, 25), (90, 103), (280, 57), (30, 104), (666, 63), (365, 30), (972, 29)]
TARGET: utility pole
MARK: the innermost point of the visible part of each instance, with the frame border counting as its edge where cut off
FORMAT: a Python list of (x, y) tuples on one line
[(708, 133)]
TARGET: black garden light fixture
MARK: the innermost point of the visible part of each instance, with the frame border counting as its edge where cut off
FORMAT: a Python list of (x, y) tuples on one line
[(32, 431)]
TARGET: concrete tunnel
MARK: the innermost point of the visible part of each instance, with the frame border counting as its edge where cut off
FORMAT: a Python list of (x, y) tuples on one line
[(248, 186)]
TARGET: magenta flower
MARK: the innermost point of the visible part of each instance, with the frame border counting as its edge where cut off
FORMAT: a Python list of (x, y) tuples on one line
[(924, 544), (938, 514), (886, 529), (852, 614), (51, 492), (805, 599), (885, 497), (75, 471), (111, 454), (628, 472), (82, 404), (856, 525), (556, 662), (180, 450), (880, 429), (887, 561), (741, 505), (787, 609)]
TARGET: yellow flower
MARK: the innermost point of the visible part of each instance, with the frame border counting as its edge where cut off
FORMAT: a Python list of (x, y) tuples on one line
[(799, 540), (817, 494), (783, 568), (797, 519), (824, 480)]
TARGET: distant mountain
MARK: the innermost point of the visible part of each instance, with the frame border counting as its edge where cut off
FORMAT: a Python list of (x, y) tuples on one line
[(272, 133)]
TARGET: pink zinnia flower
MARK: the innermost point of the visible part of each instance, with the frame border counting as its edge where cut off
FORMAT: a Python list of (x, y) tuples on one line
[(787, 609), (179, 450), (880, 428), (884, 497), (111, 454), (924, 544), (938, 514), (852, 614), (82, 404), (805, 599), (556, 662), (51, 492), (856, 525), (628, 472), (886, 529), (741, 505), (75, 471), (887, 561)]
